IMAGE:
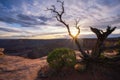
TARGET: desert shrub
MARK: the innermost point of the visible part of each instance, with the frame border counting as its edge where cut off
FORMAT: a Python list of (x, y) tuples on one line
[(61, 57), (102, 56)]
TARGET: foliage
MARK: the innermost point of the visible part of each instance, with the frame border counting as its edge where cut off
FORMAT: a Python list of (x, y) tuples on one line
[(61, 57), (102, 56)]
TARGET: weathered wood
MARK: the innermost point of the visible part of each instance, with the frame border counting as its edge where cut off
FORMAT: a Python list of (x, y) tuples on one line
[(59, 17), (101, 37)]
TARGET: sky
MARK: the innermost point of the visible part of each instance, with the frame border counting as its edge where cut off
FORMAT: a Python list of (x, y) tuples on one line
[(30, 19)]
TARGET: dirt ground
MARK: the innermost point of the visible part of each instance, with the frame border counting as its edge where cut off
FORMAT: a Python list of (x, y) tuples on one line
[(96, 72), (18, 68)]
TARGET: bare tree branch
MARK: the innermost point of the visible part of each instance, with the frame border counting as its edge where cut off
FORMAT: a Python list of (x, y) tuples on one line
[(62, 5), (101, 35), (59, 17), (77, 26)]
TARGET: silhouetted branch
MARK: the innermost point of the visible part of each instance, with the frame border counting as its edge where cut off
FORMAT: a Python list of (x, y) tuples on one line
[(101, 35), (77, 26), (59, 17)]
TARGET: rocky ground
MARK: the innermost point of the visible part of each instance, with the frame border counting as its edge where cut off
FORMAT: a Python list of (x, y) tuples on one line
[(18, 68)]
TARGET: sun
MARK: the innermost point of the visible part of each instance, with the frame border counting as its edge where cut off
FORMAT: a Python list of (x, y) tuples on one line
[(74, 32)]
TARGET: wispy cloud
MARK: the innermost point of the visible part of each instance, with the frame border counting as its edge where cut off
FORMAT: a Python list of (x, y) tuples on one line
[(34, 20)]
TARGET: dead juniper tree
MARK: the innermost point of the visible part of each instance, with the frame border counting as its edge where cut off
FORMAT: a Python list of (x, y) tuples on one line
[(59, 17), (101, 35)]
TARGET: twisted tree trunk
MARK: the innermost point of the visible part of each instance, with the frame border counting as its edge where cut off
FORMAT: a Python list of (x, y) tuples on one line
[(101, 37), (59, 17)]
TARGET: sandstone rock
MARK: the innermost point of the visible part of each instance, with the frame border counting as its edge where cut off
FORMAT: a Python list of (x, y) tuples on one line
[(80, 67), (1, 49), (1, 54)]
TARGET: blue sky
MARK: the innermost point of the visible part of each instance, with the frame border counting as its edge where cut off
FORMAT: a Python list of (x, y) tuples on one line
[(28, 19)]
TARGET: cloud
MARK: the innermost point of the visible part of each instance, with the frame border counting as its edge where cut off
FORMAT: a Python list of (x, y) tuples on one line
[(17, 14), (25, 17), (23, 20), (4, 27), (8, 30), (43, 18), (109, 3), (32, 15)]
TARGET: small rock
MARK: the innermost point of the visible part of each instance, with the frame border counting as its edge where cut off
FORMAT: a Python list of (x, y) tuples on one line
[(1, 49)]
